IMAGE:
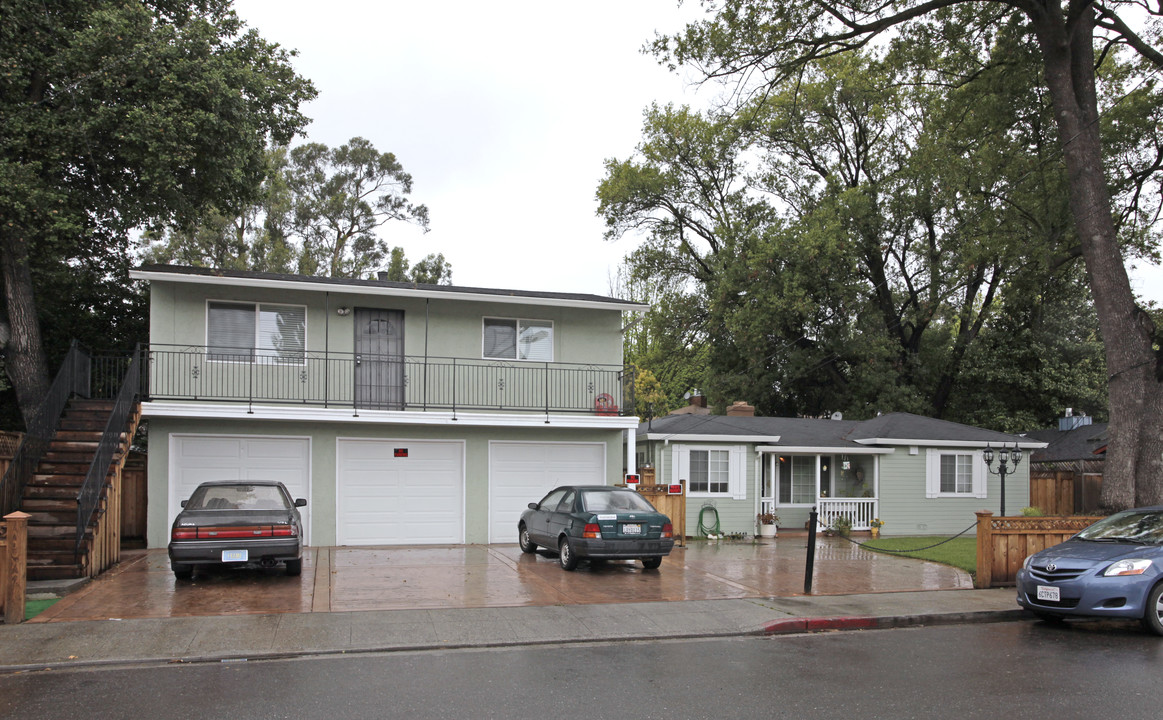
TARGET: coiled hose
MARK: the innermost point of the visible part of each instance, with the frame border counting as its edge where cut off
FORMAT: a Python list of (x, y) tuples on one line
[(709, 531)]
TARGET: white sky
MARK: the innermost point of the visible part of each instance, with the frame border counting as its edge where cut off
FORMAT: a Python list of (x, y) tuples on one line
[(504, 113)]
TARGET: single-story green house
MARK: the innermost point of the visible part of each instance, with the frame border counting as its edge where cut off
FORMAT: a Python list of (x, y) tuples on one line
[(919, 476)]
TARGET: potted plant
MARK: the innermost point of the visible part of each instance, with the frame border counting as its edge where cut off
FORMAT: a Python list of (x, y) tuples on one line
[(876, 524), (841, 526), (767, 524)]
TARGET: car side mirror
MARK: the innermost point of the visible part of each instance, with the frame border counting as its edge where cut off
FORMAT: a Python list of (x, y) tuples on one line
[(300, 502), (534, 506), (184, 503)]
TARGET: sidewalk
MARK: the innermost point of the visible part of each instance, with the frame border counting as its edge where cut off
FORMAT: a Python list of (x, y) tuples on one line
[(37, 646)]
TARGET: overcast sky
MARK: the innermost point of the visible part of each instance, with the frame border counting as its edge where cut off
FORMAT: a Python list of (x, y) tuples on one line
[(503, 112)]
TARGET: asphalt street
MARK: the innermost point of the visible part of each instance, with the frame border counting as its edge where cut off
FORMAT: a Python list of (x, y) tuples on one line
[(1015, 670)]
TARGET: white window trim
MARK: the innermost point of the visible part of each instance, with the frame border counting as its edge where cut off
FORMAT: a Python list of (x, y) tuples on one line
[(518, 358), (255, 359), (933, 473), (736, 470), (780, 478)]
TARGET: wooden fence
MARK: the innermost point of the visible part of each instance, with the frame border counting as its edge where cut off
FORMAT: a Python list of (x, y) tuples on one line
[(13, 566), (1003, 543), (673, 506), (133, 500)]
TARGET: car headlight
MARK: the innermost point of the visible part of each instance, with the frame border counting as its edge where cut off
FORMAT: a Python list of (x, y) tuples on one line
[(1127, 567)]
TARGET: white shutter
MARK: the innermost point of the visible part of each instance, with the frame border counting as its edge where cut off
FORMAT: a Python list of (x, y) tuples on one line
[(680, 465), (738, 472), (932, 473), (980, 486)]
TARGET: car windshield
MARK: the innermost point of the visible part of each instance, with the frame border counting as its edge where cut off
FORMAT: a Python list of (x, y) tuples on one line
[(238, 497), (614, 501), (1135, 526)]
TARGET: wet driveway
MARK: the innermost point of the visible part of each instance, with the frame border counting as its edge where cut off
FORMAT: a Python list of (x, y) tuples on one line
[(341, 579)]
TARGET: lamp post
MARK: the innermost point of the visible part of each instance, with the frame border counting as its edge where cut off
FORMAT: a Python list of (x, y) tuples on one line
[(1004, 456)]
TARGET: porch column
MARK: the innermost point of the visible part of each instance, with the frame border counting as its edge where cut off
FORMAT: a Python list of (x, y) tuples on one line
[(632, 452)]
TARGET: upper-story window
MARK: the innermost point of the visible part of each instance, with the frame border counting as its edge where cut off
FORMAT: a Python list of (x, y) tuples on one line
[(242, 332), (512, 339)]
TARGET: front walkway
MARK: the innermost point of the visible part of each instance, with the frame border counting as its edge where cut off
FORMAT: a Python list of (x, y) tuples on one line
[(340, 579)]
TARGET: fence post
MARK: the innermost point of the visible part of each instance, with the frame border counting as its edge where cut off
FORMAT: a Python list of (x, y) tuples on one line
[(813, 520), (16, 567), (984, 577)]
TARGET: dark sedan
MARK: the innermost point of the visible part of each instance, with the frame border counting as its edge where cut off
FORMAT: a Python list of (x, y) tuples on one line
[(596, 522), (1113, 569), (243, 523)]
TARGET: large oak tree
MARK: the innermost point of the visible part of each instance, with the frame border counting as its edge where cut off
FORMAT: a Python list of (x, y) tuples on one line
[(116, 114), (756, 44)]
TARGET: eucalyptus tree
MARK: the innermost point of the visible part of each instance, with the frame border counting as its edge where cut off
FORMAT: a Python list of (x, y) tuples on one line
[(340, 197)]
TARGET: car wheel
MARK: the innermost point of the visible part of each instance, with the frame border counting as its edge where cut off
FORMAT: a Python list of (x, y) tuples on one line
[(565, 555), (1153, 613), (295, 567), (651, 563), (523, 539), (182, 571)]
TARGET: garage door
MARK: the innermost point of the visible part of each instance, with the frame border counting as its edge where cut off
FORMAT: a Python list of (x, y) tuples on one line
[(400, 492), (521, 473), (196, 459)]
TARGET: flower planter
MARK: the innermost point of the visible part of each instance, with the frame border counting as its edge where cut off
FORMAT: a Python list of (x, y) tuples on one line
[(767, 531)]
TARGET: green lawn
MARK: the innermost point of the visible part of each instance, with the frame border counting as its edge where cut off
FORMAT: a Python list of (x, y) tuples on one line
[(32, 608), (959, 552)]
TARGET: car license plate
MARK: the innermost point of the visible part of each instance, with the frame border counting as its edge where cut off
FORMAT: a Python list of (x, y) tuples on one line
[(1046, 592), (234, 556), (632, 528)]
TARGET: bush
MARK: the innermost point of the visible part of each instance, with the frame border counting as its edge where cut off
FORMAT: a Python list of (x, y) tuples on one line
[(1032, 512)]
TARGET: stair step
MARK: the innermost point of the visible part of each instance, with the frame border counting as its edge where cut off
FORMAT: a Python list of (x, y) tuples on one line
[(51, 532), (63, 468), (56, 572), (49, 504), (44, 518), (47, 546)]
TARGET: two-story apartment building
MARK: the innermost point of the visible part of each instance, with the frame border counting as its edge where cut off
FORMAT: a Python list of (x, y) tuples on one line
[(405, 414)]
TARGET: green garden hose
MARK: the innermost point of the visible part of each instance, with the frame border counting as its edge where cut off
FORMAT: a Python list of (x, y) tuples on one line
[(709, 530)]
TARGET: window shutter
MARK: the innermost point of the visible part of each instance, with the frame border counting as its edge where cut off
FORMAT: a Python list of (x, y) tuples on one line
[(536, 341), (282, 331), (738, 472), (980, 477), (932, 473), (680, 464), (500, 339)]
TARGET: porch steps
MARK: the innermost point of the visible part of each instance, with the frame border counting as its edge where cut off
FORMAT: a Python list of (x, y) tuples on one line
[(50, 497)]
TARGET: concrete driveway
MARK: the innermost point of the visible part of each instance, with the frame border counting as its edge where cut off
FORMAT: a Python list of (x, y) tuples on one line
[(342, 579)]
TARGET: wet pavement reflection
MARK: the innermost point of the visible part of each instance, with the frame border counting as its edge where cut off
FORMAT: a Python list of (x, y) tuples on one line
[(338, 579)]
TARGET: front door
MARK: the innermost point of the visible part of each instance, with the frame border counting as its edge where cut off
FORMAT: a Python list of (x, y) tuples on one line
[(379, 359)]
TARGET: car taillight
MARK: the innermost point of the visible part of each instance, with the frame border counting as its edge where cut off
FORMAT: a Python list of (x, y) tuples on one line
[(183, 533), (592, 531), (667, 530), (284, 531)]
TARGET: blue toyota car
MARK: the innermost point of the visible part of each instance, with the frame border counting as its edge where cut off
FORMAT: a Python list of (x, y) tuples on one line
[(1112, 569)]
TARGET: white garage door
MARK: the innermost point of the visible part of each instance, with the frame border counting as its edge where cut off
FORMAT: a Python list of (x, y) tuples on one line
[(196, 459), (400, 492), (521, 473)]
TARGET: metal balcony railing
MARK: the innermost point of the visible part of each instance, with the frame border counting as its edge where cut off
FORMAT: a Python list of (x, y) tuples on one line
[(385, 382)]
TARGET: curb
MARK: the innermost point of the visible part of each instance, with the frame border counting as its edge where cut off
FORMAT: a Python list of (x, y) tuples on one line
[(874, 622)]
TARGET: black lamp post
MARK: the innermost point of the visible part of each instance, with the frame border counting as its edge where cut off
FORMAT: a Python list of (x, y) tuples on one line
[(1003, 456)]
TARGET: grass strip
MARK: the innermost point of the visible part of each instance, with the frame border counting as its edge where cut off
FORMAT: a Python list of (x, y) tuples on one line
[(959, 552)]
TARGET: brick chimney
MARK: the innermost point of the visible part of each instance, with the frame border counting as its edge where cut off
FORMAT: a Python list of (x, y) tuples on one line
[(741, 409)]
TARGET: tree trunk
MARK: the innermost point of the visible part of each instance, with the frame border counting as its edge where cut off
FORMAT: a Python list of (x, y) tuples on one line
[(1136, 424), (23, 354)]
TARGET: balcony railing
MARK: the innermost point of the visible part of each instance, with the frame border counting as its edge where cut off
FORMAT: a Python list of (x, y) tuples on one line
[(384, 382)]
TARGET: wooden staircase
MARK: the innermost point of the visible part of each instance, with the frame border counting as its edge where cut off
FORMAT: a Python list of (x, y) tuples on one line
[(50, 497)]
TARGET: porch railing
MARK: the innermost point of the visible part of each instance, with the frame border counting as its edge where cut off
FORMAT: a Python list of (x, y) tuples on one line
[(859, 511), (385, 382), (72, 379)]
